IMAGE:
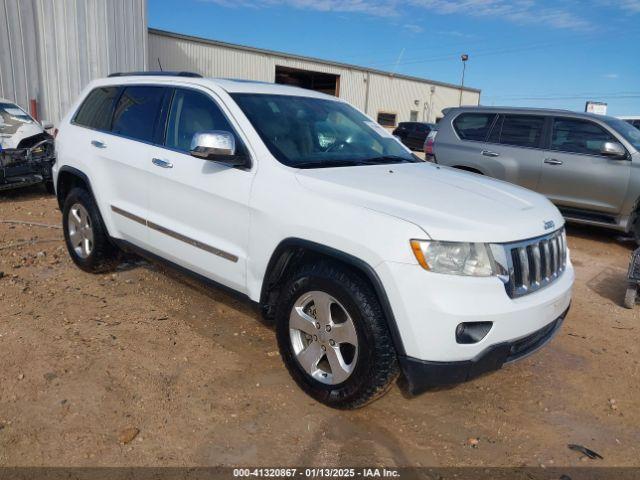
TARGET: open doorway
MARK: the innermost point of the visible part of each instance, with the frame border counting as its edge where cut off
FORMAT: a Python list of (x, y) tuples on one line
[(320, 82)]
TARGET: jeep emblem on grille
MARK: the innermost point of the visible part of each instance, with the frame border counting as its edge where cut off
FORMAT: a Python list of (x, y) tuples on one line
[(549, 225)]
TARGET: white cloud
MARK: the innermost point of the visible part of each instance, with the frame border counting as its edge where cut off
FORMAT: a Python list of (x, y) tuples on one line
[(611, 76), (561, 15), (517, 11), (413, 28), (632, 6)]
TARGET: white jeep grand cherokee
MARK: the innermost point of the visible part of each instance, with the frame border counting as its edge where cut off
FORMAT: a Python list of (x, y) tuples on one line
[(371, 263)]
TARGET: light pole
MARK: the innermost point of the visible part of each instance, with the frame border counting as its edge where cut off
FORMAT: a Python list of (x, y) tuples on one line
[(464, 57), (432, 90)]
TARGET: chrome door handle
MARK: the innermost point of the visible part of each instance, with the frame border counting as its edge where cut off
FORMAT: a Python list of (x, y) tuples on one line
[(161, 163), (489, 153), (98, 144), (552, 161)]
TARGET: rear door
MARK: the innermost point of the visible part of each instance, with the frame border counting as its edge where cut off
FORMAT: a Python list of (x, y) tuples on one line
[(199, 214), (125, 151), (575, 175), (460, 144), (514, 149), (418, 136)]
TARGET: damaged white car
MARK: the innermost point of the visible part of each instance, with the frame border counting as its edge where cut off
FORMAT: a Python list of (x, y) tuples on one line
[(26, 149)]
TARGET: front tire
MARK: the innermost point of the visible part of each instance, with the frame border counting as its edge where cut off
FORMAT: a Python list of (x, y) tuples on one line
[(85, 234), (333, 336)]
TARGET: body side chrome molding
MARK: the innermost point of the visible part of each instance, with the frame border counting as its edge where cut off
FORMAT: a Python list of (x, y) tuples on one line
[(176, 235)]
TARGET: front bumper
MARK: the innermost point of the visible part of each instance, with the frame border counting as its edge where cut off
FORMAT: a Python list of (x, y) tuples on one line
[(428, 307), (420, 375), (26, 166)]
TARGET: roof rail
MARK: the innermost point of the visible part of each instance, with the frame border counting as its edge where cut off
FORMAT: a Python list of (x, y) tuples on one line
[(155, 74)]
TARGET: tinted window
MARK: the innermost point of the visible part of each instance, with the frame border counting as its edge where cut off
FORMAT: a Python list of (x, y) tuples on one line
[(422, 128), (387, 119), (629, 133), (578, 136), (519, 130), (97, 109), (473, 126), (192, 112), (137, 112), (314, 133)]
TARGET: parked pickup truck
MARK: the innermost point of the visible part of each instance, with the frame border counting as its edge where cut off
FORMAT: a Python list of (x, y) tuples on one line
[(372, 264), (26, 149)]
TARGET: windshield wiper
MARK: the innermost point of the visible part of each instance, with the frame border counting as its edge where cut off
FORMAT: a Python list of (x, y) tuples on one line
[(387, 159), (329, 163)]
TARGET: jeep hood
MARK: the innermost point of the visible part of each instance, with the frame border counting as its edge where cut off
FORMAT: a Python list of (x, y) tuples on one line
[(13, 130), (447, 204)]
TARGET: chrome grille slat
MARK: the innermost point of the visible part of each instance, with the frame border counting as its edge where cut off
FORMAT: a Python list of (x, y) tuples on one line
[(534, 264), (547, 259), (524, 267), (537, 262)]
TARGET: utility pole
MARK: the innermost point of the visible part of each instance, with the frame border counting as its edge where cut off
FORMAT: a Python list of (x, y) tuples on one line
[(464, 57), (432, 89)]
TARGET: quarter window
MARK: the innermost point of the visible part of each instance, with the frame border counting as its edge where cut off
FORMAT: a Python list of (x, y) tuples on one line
[(137, 112), (192, 112), (473, 126), (97, 109), (578, 136), (519, 130)]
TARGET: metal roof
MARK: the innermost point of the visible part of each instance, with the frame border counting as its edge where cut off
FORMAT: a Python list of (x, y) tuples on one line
[(524, 110), (261, 51)]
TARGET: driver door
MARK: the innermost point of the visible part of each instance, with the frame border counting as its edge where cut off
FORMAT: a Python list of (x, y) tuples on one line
[(576, 175)]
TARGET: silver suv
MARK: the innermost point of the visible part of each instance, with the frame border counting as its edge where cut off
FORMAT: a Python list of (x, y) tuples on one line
[(588, 165)]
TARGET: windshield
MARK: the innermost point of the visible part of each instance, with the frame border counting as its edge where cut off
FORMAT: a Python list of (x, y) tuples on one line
[(305, 132), (10, 113), (630, 133)]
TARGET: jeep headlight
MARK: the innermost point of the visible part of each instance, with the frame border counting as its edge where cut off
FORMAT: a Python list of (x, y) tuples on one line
[(455, 258)]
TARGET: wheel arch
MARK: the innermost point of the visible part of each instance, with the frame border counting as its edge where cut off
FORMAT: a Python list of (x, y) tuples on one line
[(292, 251), (68, 179)]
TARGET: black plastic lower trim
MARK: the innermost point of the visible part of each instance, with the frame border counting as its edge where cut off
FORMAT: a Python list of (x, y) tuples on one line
[(421, 375)]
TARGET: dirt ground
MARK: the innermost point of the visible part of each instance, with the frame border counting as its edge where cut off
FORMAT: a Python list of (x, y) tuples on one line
[(148, 367)]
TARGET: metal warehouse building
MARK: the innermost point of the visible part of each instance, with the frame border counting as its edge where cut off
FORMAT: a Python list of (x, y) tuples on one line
[(388, 97), (50, 49)]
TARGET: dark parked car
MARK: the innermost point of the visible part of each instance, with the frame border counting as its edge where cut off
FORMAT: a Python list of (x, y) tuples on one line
[(413, 134), (26, 149)]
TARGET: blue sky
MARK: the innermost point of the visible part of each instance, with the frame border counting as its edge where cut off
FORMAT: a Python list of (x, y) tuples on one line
[(539, 53)]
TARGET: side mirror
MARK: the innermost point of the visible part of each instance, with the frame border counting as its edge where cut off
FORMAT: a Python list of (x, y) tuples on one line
[(613, 150), (46, 125), (217, 146)]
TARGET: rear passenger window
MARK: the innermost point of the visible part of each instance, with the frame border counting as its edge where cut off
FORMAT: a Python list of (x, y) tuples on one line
[(97, 109), (578, 136), (473, 126), (519, 130), (137, 112), (192, 112)]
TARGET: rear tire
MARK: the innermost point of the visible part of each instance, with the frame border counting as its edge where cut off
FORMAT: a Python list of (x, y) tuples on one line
[(85, 234), (631, 296), (346, 366)]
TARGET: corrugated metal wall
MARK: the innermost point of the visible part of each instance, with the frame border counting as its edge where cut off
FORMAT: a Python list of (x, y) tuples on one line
[(50, 49), (386, 93)]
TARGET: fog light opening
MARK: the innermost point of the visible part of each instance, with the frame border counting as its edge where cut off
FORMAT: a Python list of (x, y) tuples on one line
[(472, 332)]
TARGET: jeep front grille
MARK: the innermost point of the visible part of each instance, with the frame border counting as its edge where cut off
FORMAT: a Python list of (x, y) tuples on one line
[(534, 264)]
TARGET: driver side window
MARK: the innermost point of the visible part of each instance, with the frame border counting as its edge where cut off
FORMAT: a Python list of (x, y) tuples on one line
[(192, 112), (578, 136)]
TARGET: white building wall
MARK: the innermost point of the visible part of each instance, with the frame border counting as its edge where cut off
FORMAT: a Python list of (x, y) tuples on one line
[(50, 49), (387, 93)]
